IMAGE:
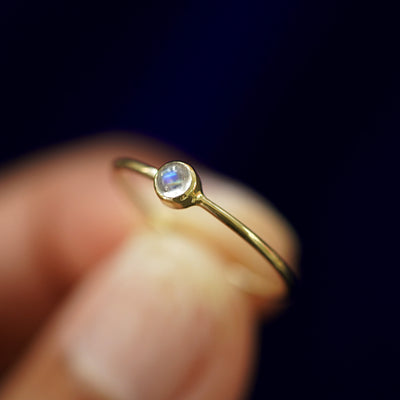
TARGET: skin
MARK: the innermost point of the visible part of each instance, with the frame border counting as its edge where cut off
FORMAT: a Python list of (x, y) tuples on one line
[(96, 303)]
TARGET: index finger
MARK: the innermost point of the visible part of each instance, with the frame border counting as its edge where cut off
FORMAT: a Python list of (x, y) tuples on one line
[(60, 215)]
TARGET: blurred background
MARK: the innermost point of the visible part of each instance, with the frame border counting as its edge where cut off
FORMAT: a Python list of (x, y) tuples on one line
[(298, 99)]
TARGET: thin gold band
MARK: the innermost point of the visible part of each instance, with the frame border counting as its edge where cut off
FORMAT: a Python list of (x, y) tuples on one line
[(182, 174)]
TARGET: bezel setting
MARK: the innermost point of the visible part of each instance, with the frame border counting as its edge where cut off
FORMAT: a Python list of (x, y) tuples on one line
[(175, 198)]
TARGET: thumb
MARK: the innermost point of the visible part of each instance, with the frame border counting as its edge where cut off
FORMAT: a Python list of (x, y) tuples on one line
[(158, 320)]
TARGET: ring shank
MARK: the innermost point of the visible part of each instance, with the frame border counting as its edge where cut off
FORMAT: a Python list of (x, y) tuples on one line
[(254, 240), (229, 220)]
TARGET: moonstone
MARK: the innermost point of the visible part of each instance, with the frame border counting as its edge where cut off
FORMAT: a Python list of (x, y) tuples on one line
[(173, 179)]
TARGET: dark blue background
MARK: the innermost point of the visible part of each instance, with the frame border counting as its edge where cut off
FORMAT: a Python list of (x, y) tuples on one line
[(299, 99)]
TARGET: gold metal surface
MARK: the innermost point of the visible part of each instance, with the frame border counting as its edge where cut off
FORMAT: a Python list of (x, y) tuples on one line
[(194, 196)]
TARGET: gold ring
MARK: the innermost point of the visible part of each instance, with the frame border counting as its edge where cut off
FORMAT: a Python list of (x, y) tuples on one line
[(178, 185)]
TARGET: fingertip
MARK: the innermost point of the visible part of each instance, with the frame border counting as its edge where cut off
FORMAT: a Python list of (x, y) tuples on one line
[(157, 321)]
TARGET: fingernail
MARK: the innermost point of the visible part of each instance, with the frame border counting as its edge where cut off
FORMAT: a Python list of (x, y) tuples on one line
[(159, 321)]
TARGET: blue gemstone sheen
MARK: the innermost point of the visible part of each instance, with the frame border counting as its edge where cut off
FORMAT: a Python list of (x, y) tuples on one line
[(170, 177)]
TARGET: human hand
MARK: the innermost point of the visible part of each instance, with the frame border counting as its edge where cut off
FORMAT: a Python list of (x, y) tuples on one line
[(95, 305)]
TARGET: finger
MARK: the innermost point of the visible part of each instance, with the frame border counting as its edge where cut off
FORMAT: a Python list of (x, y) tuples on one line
[(160, 320), (60, 215)]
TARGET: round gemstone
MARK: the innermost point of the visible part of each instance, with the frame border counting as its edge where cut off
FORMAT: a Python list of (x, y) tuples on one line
[(173, 179)]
